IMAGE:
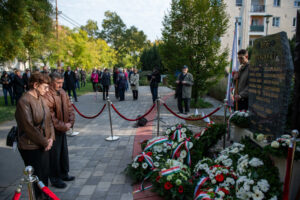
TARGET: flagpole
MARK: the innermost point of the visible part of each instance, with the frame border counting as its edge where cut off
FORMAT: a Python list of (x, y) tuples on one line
[(236, 93)]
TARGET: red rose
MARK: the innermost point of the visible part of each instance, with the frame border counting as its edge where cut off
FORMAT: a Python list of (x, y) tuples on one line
[(220, 178), (141, 159), (168, 185), (224, 190), (180, 189), (149, 153), (177, 154), (191, 181), (158, 178)]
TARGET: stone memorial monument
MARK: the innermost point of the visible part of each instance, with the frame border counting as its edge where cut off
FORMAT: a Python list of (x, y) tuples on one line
[(270, 79)]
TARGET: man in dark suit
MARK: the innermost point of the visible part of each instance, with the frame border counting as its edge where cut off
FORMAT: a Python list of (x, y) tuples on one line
[(70, 82), (18, 85), (26, 77)]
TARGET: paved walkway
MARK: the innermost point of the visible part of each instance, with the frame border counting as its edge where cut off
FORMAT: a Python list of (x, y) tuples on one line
[(97, 164)]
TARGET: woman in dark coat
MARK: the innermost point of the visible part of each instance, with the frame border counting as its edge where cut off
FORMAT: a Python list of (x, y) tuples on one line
[(18, 85), (105, 81), (6, 86)]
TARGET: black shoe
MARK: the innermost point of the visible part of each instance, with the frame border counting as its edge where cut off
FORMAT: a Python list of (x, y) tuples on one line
[(68, 178), (76, 100), (179, 112), (58, 183)]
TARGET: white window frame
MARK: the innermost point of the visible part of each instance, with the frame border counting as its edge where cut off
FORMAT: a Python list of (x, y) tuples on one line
[(276, 3), (297, 3), (294, 21), (276, 21)]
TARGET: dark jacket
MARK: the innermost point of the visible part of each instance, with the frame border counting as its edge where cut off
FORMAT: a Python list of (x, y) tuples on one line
[(6, 82), (105, 79), (185, 90), (154, 79), (26, 80), (243, 81), (83, 75), (77, 75), (29, 116), (61, 110), (121, 81), (115, 77), (70, 80), (18, 85)]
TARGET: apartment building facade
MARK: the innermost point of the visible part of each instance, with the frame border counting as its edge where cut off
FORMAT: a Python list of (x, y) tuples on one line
[(258, 18)]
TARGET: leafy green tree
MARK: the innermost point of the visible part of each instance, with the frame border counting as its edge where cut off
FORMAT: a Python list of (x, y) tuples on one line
[(191, 36), (150, 58), (91, 28)]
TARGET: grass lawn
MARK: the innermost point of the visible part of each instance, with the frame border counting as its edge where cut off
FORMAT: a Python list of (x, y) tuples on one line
[(200, 104), (6, 112)]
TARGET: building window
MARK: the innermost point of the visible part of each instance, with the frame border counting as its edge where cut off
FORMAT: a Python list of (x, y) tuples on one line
[(294, 21), (297, 3), (276, 21), (276, 3), (239, 2)]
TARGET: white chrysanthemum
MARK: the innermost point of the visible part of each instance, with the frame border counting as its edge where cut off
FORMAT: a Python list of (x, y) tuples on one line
[(168, 131), (240, 114), (157, 157), (183, 135), (178, 182), (227, 162), (274, 198), (255, 162), (235, 150), (169, 178), (213, 181), (260, 137), (135, 165), (190, 145), (183, 154), (297, 148), (246, 114), (169, 147), (156, 164), (174, 145), (183, 130), (275, 144), (144, 165), (286, 136), (159, 149), (258, 195), (180, 160), (165, 150), (165, 144), (263, 185), (230, 181), (221, 193), (173, 128)]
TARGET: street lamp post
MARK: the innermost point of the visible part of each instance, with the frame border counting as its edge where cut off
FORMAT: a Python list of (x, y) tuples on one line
[(267, 22)]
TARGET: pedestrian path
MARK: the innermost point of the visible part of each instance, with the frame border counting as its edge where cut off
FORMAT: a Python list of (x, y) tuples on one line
[(97, 164)]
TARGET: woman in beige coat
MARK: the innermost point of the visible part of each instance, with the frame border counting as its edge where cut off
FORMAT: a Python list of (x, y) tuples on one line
[(134, 83)]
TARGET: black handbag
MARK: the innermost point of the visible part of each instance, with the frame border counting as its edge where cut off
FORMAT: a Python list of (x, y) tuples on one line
[(12, 136)]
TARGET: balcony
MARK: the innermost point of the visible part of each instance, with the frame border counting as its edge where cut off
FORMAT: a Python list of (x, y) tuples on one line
[(258, 8), (257, 28)]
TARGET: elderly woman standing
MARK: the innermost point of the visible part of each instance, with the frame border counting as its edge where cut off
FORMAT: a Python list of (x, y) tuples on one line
[(134, 83), (35, 128)]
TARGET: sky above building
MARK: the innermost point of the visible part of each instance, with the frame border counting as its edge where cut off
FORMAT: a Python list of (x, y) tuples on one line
[(146, 15)]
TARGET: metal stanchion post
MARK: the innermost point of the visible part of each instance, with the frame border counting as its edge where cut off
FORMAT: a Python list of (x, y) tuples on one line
[(29, 180), (158, 114), (225, 121), (112, 137), (295, 134)]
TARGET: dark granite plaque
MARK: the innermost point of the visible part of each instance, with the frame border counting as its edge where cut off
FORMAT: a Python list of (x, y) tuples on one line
[(270, 78)]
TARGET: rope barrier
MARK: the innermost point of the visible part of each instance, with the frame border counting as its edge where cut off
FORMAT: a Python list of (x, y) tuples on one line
[(148, 112), (89, 117), (47, 191), (190, 119)]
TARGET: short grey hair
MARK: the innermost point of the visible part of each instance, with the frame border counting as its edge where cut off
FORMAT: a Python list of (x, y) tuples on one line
[(56, 75)]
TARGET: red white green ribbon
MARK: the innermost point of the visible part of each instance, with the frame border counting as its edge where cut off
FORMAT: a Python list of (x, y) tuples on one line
[(155, 142), (199, 185), (203, 196), (142, 188), (147, 158), (186, 145), (170, 171), (198, 135), (178, 134)]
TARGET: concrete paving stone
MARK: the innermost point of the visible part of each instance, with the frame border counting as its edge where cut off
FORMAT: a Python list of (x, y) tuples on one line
[(71, 193), (108, 177), (103, 186), (99, 195), (126, 196), (93, 180), (113, 197), (83, 198), (87, 190), (92, 164), (116, 188), (119, 179), (98, 173), (85, 174), (111, 169), (80, 181), (101, 166)]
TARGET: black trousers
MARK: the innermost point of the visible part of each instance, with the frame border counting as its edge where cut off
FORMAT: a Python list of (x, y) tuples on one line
[(39, 160), (122, 94), (105, 91), (74, 93), (95, 86), (83, 82), (59, 157), (117, 92), (242, 104), (187, 102), (135, 94)]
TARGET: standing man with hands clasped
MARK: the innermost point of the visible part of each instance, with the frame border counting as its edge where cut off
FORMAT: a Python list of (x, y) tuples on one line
[(241, 80), (63, 118), (184, 83)]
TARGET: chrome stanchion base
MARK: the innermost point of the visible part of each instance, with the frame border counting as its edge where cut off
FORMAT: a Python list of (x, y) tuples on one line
[(112, 138)]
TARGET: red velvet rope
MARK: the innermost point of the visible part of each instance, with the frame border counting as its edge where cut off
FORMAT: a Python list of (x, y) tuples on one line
[(17, 196), (190, 119), (286, 185), (147, 113), (47, 191), (89, 117)]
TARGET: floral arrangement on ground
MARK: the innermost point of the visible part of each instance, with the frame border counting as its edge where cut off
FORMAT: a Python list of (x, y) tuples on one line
[(179, 165), (279, 147), (240, 118)]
